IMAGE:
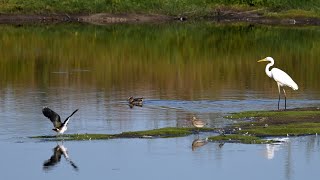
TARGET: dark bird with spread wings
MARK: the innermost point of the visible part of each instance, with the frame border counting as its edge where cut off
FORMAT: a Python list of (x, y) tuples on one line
[(59, 127)]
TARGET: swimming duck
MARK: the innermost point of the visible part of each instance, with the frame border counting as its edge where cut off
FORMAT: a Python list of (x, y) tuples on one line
[(135, 101)]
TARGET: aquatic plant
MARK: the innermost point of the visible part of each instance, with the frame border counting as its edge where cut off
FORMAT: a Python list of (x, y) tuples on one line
[(155, 133), (239, 138)]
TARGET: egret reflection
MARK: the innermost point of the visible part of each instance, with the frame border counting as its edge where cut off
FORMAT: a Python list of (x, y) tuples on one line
[(271, 149), (55, 159)]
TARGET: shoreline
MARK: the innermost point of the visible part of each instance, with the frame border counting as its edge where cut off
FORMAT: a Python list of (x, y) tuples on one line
[(251, 17)]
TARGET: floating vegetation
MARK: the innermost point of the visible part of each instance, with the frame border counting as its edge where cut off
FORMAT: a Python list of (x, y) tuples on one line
[(292, 113), (294, 122), (239, 138), (75, 137), (295, 129), (168, 132)]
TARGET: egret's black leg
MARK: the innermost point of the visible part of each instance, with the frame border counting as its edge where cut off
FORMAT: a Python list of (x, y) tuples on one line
[(278, 102), (279, 96), (285, 99)]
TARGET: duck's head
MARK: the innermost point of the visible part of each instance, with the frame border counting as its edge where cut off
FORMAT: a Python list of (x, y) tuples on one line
[(130, 99)]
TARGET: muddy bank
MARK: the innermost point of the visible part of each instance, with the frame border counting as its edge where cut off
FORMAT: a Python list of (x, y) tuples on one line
[(220, 16), (101, 18), (257, 17)]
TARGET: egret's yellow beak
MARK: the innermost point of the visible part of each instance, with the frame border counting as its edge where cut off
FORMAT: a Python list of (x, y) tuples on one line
[(262, 60)]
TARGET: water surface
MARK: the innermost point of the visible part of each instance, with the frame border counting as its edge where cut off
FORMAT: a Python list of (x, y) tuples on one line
[(202, 69)]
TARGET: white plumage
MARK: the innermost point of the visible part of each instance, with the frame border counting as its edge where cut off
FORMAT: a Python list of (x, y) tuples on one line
[(282, 78)]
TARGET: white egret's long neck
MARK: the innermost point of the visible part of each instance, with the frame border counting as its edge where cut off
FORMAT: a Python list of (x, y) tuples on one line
[(268, 72)]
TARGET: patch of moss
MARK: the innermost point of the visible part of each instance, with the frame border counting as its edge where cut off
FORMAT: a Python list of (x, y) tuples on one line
[(296, 129), (293, 13), (155, 133), (303, 113), (239, 138), (162, 132), (293, 122), (76, 137)]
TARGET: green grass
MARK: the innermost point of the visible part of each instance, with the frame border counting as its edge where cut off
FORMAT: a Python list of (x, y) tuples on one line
[(296, 129), (169, 7), (155, 133), (98, 6), (294, 13), (76, 137), (162, 132), (295, 122), (274, 114), (239, 138)]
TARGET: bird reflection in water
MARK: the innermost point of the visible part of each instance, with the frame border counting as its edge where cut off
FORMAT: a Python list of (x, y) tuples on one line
[(221, 144), (198, 143), (58, 151), (270, 150)]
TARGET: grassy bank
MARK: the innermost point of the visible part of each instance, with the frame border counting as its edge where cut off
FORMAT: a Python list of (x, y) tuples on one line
[(294, 113), (260, 124), (168, 7), (294, 122)]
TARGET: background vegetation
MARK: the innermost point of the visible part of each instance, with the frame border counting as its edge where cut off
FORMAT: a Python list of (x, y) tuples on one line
[(170, 7), (203, 59)]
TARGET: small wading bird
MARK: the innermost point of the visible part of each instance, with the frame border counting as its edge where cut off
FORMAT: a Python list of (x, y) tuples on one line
[(59, 127), (282, 79), (197, 122), (56, 157), (135, 101)]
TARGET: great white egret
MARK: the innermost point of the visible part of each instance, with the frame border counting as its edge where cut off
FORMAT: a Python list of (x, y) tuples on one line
[(282, 79)]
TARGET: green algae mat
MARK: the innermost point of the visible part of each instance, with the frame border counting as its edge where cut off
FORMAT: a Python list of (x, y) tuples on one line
[(295, 122), (255, 125), (168, 132), (252, 128)]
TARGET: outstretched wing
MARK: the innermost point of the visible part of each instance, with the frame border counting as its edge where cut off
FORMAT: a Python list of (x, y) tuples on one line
[(53, 116), (68, 118)]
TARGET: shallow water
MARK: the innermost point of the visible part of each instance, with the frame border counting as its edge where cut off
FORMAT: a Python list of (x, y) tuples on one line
[(202, 69), (163, 158)]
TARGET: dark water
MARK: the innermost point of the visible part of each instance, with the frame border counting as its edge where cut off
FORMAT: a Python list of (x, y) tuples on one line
[(202, 69)]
